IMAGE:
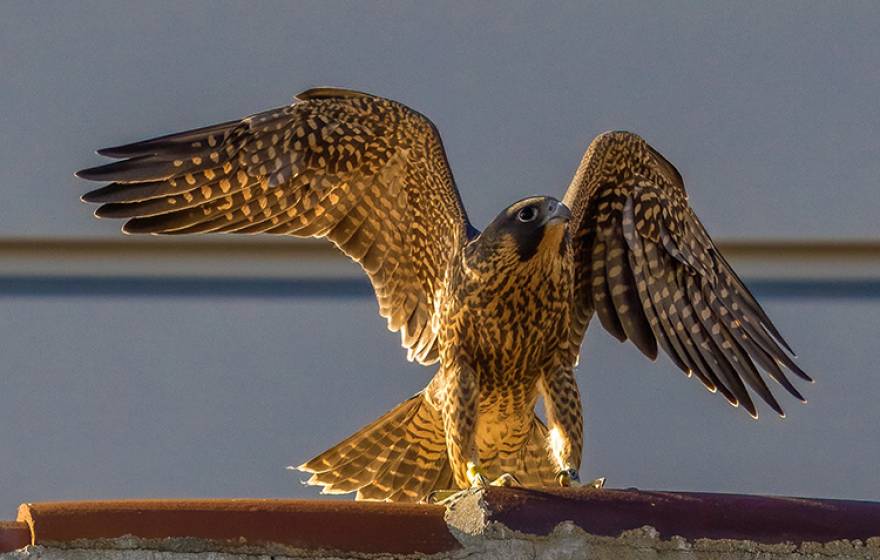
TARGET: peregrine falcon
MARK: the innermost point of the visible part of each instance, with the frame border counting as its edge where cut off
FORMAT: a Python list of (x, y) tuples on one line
[(503, 311)]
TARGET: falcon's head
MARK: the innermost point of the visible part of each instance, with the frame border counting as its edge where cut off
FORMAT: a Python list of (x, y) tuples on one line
[(534, 226)]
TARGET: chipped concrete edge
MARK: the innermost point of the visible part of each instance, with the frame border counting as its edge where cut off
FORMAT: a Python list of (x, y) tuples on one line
[(570, 541), (470, 523)]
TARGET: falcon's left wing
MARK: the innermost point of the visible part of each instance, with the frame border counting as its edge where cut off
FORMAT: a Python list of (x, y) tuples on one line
[(645, 264)]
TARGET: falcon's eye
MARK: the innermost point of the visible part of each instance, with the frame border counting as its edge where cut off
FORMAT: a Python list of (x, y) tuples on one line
[(527, 214)]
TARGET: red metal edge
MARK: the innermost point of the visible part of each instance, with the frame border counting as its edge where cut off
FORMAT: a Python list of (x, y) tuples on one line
[(368, 527), (14, 535), (768, 520)]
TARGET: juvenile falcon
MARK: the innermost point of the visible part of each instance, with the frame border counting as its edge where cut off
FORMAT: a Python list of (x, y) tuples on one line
[(503, 311)]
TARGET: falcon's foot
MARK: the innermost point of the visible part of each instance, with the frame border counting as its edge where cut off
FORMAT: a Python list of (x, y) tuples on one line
[(570, 477), (478, 480)]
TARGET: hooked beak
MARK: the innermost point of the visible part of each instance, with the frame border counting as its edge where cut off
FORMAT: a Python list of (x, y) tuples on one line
[(557, 213)]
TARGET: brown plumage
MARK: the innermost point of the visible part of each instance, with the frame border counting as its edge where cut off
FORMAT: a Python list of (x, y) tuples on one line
[(503, 311)]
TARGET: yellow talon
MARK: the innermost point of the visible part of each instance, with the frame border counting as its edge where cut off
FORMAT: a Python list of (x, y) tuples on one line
[(475, 475), (507, 480), (472, 471), (477, 478)]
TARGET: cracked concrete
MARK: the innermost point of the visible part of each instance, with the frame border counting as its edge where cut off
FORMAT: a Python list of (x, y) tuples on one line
[(476, 526), (491, 541), (568, 541), (470, 522)]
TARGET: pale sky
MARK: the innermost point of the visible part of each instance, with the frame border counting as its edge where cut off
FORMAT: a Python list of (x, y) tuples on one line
[(769, 110)]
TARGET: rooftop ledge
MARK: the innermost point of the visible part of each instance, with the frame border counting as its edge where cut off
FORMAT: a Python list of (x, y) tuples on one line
[(491, 523)]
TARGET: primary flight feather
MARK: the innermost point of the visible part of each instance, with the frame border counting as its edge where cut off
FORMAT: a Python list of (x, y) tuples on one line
[(504, 311)]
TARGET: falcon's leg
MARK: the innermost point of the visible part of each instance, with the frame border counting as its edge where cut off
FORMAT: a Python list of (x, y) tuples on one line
[(565, 420), (459, 402), (459, 395)]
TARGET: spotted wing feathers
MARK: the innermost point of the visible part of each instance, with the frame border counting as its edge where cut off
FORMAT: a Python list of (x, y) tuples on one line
[(646, 266), (365, 172)]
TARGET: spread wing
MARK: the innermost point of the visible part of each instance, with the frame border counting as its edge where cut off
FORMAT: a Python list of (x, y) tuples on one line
[(365, 172), (646, 266)]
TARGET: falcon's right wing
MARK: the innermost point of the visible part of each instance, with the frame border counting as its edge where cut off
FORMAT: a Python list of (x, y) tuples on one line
[(365, 172)]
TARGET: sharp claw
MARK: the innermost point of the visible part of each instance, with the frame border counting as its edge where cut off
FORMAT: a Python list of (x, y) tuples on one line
[(568, 477), (445, 497), (507, 480), (478, 479)]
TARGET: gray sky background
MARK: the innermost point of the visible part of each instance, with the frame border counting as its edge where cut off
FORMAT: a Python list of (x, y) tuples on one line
[(770, 111)]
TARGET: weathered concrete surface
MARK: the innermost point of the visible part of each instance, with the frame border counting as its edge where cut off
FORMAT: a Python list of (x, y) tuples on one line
[(494, 542), (471, 520), (502, 524), (691, 515), (483, 538)]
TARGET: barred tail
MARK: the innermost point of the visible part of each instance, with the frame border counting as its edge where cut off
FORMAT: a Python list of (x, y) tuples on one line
[(401, 457), (533, 465)]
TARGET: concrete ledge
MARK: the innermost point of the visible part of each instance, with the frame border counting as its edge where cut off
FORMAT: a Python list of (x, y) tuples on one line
[(252, 526), (496, 523), (13, 535), (690, 515), (621, 524)]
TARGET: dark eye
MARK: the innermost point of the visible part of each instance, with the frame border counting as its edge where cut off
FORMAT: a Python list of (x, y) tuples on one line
[(527, 214)]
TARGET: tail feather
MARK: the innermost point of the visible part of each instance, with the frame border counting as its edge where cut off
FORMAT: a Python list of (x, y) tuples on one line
[(387, 468), (402, 457), (445, 478), (351, 446), (360, 470), (399, 457), (365, 462), (412, 477), (536, 467), (430, 475), (388, 479), (421, 453), (417, 482)]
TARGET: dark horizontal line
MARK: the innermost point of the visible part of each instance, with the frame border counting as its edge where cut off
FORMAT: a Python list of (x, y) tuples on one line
[(285, 246), (183, 287), (815, 289), (262, 288)]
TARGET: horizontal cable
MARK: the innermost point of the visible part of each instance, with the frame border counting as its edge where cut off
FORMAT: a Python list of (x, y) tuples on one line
[(263, 257)]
